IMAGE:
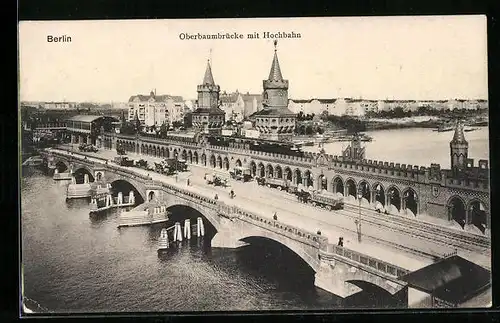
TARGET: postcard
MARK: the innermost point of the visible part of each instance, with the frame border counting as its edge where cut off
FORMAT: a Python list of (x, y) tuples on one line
[(254, 164)]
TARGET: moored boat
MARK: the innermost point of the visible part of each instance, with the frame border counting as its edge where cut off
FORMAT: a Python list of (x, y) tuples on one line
[(163, 243)]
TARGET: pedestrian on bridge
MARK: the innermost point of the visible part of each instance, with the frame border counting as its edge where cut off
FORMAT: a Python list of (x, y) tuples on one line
[(231, 194), (275, 216), (188, 182), (341, 242), (216, 197)]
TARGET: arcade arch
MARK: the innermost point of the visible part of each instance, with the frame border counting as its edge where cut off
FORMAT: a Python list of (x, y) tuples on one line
[(477, 215), (308, 180), (410, 200), (270, 171), (378, 194), (261, 172), (394, 197), (350, 188), (364, 190), (298, 176), (456, 210), (253, 168), (338, 185), (278, 172)]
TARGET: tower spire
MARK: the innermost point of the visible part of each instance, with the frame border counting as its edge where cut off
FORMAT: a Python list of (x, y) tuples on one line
[(208, 78), (459, 136), (275, 73)]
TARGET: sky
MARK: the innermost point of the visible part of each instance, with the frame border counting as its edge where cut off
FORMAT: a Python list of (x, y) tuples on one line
[(419, 58)]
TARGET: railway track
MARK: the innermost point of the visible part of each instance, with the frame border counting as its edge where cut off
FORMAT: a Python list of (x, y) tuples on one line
[(425, 230)]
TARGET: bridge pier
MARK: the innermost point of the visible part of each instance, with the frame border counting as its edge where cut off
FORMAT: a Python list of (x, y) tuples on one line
[(229, 234), (331, 277)]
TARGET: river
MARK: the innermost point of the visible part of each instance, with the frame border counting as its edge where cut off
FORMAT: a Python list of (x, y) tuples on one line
[(415, 146), (76, 263)]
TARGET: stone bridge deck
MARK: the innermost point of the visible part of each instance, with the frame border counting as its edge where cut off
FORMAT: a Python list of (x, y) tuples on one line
[(326, 251)]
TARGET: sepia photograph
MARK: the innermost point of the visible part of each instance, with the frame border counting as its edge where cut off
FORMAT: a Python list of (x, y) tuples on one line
[(270, 164)]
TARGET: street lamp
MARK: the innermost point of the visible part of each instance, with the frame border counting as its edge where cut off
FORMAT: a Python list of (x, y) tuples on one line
[(358, 223), (176, 173)]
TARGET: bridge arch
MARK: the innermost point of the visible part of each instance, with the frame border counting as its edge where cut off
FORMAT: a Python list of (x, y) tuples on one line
[(338, 185), (270, 171), (410, 200), (384, 290), (477, 214), (207, 215), (378, 194), (311, 261), (62, 166), (364, 190), (79, 173), (125, 186), (350, 187), (456, 210), (394, 197)]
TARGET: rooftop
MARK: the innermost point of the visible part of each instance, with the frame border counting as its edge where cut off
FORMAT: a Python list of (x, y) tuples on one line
[(211, 111), (453, 279), (273, 112), (88, 118)]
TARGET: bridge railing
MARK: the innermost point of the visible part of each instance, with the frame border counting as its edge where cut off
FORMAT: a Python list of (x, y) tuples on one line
[(222, 207), (282, 228), (366, 260)]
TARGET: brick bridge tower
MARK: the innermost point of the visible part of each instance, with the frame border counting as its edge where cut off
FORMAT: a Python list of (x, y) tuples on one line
[(208, 117), (459, 148), (275, 121), (354, 151)]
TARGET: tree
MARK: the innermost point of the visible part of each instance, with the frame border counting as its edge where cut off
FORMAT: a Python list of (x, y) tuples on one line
[(137, 123), (177, 124), (163, 130)]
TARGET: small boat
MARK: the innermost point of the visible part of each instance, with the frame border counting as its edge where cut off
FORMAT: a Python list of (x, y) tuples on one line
[(470, 129), (444, 128), (163, 243), (33, 161)]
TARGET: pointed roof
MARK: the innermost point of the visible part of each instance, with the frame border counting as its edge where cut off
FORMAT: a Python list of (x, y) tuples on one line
[(275, 73), (208, 79), (459, 136)]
